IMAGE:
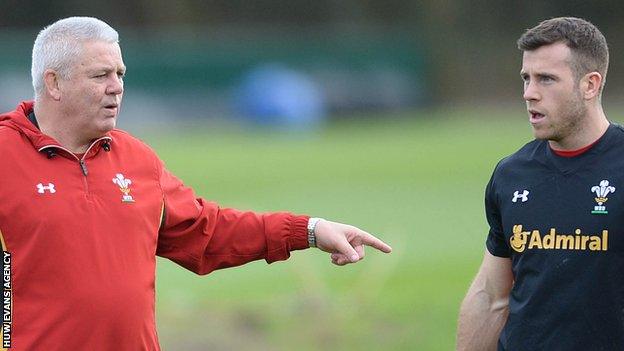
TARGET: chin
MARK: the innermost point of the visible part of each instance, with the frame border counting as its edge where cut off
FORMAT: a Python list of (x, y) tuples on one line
[(541, 135), (107, 126)]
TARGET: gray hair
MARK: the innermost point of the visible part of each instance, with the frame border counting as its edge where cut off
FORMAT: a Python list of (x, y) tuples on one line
[(58, 44)]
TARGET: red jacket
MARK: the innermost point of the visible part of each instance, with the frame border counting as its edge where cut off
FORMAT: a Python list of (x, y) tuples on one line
[(83, 236)]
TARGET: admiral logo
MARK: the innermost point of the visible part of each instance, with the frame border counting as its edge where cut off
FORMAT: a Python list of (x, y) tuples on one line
[(534, 240)]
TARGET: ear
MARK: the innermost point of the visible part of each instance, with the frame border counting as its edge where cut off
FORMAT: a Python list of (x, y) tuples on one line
[(590, 85), (51, 83)]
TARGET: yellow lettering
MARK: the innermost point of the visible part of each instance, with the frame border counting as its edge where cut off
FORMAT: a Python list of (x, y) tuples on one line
[(595, 243), (536, 240), (564, 242), (584, 240), (577, 241), (549, 239)]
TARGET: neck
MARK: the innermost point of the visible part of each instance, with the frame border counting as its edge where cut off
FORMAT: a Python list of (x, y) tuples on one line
[(590, 129), (51, 123)]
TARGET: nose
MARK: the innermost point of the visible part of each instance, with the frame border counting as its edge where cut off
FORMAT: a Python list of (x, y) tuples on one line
[(530, 91), (115, 86)]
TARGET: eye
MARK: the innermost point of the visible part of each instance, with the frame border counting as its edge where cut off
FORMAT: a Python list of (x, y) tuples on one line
[(547, 79)]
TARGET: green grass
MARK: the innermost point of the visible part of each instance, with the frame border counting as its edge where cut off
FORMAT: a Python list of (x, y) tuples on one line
[(417, 182)]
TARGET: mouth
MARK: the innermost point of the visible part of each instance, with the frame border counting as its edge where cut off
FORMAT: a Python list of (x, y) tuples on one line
[(535, 116), (112, 107)]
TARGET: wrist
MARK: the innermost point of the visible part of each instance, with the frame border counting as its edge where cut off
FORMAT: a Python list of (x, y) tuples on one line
[(312, 222)]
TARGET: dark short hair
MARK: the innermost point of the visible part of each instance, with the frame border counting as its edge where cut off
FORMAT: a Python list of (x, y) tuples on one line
[(587, 44)]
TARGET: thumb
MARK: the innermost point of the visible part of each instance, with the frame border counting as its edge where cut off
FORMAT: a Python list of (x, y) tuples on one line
[(343, 247)]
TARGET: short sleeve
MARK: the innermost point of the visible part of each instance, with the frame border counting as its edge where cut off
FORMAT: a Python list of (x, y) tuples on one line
[(495, 243)]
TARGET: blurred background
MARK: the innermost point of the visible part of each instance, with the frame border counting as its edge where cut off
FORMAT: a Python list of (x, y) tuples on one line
[(389, 115)]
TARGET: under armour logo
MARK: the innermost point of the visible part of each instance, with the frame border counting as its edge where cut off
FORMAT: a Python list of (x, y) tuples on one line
[(524, 196), (41, 189)]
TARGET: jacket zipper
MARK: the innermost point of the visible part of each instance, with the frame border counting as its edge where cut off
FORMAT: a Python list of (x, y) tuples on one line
[(83, 167), (81, 161)]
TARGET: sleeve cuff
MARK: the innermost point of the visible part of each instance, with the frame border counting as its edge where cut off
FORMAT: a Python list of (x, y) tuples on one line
[(298, 239), (496, 251), (294, 236)]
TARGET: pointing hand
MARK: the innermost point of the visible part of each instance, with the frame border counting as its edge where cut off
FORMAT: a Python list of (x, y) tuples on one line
[(345, 242)]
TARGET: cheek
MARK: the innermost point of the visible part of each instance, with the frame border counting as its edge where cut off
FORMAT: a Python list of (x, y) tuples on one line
[(91, 94), (558, 100)]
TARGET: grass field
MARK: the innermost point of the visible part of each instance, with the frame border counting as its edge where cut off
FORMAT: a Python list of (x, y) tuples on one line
[(417, 182)]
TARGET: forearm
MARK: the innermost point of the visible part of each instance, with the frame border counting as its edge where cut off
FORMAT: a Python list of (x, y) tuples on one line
[(217, 238), (481, 319)]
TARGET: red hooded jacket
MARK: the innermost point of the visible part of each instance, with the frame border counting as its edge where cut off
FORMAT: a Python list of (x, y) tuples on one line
[(81, 236)]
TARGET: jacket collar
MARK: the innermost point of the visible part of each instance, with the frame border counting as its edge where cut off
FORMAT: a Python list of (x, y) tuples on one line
[(19, 120)]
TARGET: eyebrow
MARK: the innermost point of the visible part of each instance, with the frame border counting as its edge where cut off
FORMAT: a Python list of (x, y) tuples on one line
[(540, 75), (107, 69)]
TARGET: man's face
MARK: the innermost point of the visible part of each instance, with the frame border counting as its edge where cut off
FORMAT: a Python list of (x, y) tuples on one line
[(552, 94), (91, 97)]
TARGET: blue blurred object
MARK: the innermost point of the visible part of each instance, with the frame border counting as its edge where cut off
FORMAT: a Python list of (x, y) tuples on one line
[(275, 95)]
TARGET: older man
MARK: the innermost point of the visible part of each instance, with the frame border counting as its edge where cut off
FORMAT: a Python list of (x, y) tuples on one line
[(551, 278), (86, 209)]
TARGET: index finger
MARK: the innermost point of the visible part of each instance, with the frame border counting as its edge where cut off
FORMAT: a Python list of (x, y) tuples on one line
[(372, 241)]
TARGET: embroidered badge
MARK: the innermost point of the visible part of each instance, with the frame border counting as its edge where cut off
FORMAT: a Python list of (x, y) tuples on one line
[(601, 192), (124, 186), (524, 196)]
